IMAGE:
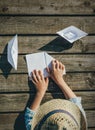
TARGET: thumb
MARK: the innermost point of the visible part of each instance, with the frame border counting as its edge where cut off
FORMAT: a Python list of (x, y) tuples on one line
[(46, 79), (48, 69)]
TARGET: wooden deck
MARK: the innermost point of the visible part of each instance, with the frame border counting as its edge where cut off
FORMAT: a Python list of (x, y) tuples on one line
[(36, 23)]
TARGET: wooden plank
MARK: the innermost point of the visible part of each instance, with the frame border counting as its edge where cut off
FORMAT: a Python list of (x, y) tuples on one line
[(32, 44), (43, 25), (80, 63), (91, 128), (91, 118), (16, 121), (17, 102), (47, 7), (20, 82)]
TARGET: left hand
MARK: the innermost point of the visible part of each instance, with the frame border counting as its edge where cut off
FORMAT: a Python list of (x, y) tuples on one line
[(40, 82)]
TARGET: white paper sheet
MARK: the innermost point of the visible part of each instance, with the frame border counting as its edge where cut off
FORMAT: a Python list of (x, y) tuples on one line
[(72, 33), (39, 61), (12, 52)]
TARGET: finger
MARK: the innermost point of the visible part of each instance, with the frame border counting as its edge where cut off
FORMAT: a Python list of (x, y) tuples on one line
[(38, 75), (34, 77), (57, 64), (49, 72), (63, 67), (60, 65), (46, 80), (48, 69), (41, 74), (53, 65), (33, 81)]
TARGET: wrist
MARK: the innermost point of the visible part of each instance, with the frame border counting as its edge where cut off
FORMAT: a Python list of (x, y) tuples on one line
[(59, 81), (40, 94), (62, 84), (37, 100)]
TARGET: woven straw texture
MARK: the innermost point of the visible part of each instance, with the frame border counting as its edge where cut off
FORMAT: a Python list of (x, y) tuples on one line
[(58, 121)]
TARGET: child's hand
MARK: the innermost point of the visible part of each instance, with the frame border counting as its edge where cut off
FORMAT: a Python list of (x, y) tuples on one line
[(40, 82), (57, 71)]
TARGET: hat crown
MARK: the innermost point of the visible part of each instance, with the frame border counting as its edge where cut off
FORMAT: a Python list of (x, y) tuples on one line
[(72, 121)]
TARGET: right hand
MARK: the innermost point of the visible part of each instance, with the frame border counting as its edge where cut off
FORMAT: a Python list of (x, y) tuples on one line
[(57, 71)]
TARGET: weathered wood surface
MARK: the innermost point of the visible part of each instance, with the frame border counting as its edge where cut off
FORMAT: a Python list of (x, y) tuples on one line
[(37, 22), (55, 44), (91, 128), (73, 63), (47, 7), (43, 25), (17, 102), (9, 120), (20, 82)]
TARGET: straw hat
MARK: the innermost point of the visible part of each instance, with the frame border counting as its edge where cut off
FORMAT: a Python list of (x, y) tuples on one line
[(58, 114)]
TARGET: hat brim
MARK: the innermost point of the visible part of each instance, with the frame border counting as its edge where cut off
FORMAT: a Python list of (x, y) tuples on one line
[(63, 105)]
